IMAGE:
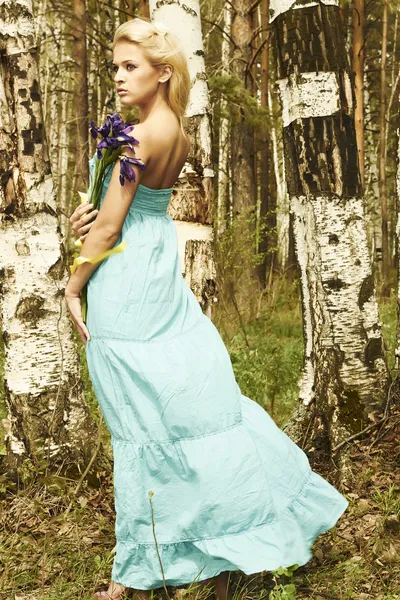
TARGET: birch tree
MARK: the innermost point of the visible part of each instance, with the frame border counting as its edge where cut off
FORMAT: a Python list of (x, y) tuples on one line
[(191, 205), (345, 378), (224, 129), (43, 391)]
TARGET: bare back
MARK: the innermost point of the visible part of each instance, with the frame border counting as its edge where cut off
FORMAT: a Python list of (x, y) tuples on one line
[(169, 151)]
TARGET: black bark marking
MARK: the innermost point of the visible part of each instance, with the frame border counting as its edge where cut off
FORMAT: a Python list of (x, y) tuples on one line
[(351, 409), (30, 309), (29, 148), (366, 291), (310, 40), (311, 146), (57, 269), (373, 351), (35, 91), (335, 283)]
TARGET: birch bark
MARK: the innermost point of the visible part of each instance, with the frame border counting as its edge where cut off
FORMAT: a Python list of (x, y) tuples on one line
[(43, 391), (191, 206), (224, 130), (345, 376)]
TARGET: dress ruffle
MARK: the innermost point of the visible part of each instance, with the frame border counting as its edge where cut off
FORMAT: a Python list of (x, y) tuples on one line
[(285, 541), (249, 483)]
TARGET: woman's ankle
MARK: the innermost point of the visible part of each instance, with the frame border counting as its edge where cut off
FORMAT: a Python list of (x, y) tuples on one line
[(222, 590)]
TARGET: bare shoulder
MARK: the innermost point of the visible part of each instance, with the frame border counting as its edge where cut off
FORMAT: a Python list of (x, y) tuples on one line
[(142, 133), (156, 137), (143, 142)]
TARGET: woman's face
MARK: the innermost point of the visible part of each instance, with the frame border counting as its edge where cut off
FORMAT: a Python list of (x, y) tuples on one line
[(134, 74)]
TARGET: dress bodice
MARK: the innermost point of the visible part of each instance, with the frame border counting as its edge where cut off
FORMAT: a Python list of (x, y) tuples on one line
[(147, 200)]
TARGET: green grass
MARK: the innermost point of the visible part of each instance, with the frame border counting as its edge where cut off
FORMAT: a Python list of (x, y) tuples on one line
[(267, 359)]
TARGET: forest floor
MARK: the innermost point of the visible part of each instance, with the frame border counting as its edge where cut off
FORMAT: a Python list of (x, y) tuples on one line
[(58, 545), (50, 552)]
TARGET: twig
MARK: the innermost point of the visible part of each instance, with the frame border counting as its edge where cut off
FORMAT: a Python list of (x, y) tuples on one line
[(359, 434), (91, 461), (150, 494)]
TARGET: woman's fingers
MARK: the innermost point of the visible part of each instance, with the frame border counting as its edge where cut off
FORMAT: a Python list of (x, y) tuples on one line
[(83, 331), (79, 211), (75, 308), (85, 228), (81, 217)]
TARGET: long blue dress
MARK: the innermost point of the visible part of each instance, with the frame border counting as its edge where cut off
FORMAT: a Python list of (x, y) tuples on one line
[(231, 491)]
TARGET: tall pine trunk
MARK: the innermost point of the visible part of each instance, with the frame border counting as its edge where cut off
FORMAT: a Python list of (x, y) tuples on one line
[(358, 70), (386, 255), (268, 195), (245, 283), (81, 97)]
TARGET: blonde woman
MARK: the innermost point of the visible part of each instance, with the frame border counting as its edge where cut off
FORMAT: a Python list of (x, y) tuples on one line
[(199, 468)]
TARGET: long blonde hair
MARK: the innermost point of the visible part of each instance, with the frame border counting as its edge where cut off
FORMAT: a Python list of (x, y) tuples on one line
[(160, 47)]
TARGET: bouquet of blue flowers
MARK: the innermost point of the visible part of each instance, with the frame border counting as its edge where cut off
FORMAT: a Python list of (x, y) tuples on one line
[(114, 133)]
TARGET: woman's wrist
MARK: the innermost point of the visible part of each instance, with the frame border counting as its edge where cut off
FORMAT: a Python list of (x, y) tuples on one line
[(69, 292)]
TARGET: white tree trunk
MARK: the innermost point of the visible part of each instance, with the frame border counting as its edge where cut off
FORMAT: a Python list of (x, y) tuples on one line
[(371, 192), (43, 392), (193, 202), (282, 199), (224, 129), (345, 373)]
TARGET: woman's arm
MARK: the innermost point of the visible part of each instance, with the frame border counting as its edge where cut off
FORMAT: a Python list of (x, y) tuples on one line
[(106, 229)]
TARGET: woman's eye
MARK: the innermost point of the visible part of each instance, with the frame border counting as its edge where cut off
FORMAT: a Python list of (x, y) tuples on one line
[(115, 68)]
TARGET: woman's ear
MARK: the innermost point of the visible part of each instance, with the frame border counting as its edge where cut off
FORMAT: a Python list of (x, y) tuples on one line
[(166, 73)]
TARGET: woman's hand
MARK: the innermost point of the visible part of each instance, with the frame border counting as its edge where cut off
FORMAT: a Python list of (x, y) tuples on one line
[(75, 308), (80, 219)]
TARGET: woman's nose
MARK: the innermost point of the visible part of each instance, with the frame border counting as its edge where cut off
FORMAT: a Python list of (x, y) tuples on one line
[(118, 77)]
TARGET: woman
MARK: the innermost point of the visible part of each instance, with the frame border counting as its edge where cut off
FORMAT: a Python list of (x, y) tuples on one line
[(204, 480)]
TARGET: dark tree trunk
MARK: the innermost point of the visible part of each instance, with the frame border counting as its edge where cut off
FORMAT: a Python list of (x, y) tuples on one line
[(81, 96)]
